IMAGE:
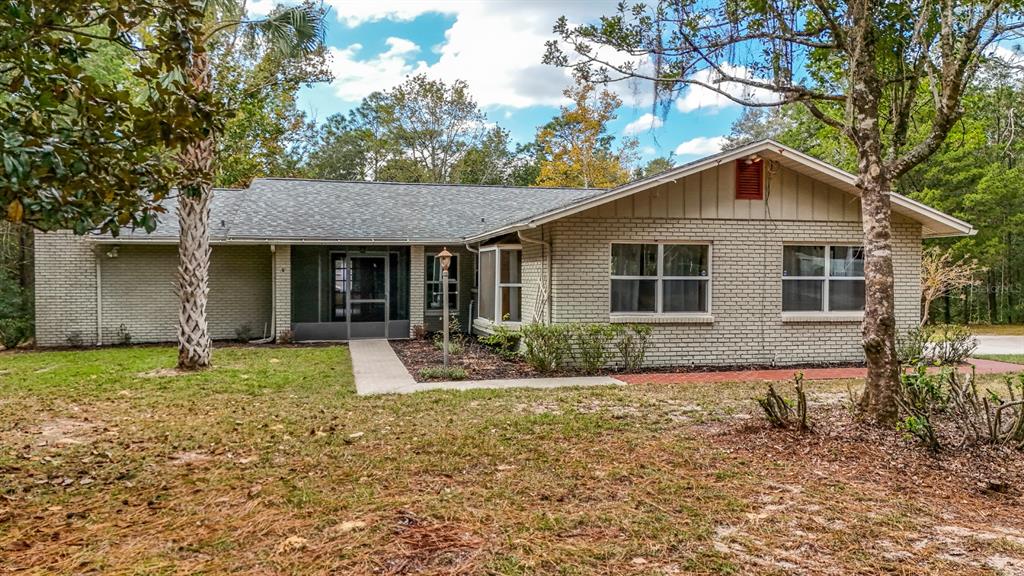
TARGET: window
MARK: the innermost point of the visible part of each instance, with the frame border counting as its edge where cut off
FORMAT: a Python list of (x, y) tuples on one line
[(501, 283), (822, 278), (433, 282), (750, 179), (660, 278)]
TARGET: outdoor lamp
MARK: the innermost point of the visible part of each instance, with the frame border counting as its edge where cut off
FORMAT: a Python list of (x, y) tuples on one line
[(446, 258)]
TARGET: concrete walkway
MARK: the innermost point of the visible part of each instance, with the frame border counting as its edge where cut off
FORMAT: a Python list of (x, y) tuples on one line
[(378, 370), (1000, 344), (783, 374)]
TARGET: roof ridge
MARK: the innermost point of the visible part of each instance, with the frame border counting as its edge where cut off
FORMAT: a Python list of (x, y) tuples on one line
[(439, 184)]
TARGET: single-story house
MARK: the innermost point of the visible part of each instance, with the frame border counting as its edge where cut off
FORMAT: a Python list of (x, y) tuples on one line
[(752, 255)]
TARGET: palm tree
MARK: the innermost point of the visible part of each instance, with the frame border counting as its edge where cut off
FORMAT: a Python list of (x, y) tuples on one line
[(293, 32)]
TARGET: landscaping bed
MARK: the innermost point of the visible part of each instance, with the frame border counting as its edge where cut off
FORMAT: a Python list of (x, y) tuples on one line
[(478, 361)]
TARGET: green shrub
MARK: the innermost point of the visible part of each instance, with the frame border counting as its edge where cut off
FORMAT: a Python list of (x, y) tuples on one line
[(592, 345), (455, 336), (921, 397), (632, 345), (504, 341), (547, 345), (442, 373)]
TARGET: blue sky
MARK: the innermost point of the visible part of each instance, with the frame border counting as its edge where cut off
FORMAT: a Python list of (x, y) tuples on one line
[(496, 47)]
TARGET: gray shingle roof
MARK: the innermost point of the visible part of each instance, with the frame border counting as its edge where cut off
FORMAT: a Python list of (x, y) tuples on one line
[(290, 209)]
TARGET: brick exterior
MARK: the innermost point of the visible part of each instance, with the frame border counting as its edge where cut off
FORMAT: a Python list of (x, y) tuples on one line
[(138, 287), (282, 280), (65, 280), (416, 275), (746, 304), (138, 290)]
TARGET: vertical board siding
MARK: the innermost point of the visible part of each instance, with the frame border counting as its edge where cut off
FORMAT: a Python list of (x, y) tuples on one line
[(711, 194)]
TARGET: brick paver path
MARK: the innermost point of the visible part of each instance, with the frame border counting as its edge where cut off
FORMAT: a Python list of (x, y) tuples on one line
[(781, 374)]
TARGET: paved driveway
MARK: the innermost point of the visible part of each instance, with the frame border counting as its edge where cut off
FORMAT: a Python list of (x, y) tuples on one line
[(1000, 345)]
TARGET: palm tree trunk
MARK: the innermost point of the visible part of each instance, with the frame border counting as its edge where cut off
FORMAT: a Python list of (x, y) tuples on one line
[(194, 194)]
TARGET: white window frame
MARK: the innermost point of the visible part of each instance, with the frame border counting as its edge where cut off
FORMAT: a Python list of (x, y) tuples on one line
[(828, 278), (659, 278), (452, 307), (498, 284)]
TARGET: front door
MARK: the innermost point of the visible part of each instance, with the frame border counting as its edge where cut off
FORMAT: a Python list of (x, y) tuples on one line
[(368, 296)]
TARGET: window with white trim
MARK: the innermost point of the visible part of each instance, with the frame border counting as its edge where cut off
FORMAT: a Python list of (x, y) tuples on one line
[(433, 284), (822, 278), (660, 278), (501, 283)]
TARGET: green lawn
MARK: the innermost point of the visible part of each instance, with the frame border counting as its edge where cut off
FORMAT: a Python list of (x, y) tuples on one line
[(268, 463), (1012, 358)]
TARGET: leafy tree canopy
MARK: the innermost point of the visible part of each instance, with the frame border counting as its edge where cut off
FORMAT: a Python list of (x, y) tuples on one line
[(575, 147), (81, 146)]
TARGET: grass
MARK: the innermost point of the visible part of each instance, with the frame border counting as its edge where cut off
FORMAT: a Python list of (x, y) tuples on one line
[(998, 329), (1011, 358), (110, 462)]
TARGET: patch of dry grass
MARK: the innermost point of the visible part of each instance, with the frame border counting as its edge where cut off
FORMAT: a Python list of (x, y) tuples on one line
[(998, 329), (268, 463)]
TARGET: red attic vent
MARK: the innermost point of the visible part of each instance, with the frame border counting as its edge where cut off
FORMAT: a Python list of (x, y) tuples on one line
[(750, 179)]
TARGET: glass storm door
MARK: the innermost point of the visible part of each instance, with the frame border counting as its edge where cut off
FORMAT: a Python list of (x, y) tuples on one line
[(368, 296)]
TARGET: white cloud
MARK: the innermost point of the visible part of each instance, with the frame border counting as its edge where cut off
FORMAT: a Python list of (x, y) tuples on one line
[(1008, 55), (355, 78), (701, 98), (643, 124), (496, 47), (701, 146), (260, 7)]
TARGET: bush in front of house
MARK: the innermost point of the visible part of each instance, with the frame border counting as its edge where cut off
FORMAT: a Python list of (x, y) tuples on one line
[(504, 342), (632, 343), (592, 345), (547, 345), (456, 337)]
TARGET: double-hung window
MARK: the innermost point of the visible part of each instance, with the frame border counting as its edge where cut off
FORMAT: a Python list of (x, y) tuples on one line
[(501, 283), (660, 278), (433, 283), (826, 278)]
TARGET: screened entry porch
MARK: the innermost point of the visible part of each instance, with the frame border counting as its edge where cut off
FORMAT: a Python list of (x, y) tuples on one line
[(350, 292)]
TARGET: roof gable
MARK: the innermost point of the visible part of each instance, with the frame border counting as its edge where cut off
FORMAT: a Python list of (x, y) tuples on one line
[(934, 222)]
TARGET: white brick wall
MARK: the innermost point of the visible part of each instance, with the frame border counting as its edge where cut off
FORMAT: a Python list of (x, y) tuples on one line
[(138, 290), (416, 287), (746, 287), (65, 284), (282, 280)]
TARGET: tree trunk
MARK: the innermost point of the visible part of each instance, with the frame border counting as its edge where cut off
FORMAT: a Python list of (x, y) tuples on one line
[(946, 309), (991, 290), (194, 344), (194, 193), (878, 330), (878, 402)]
